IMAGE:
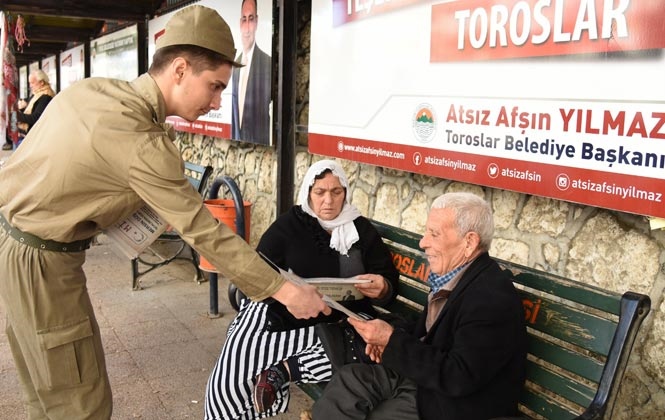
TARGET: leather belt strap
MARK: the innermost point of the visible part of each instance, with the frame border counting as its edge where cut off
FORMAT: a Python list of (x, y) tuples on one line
[(39, 243)]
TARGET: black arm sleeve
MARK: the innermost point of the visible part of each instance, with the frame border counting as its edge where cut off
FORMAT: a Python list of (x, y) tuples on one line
[(37, 111)]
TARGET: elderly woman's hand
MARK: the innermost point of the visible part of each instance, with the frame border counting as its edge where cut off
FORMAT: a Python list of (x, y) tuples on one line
[(376, 288)]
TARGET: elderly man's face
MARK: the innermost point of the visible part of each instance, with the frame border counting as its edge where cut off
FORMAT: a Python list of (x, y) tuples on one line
[(444, 248)]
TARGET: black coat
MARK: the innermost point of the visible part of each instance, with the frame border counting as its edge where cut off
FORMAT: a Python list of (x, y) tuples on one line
[(37, 111), (296, 241), (471, 364)]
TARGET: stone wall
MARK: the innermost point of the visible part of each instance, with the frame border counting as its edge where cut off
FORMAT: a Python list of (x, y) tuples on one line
[(608, 249)]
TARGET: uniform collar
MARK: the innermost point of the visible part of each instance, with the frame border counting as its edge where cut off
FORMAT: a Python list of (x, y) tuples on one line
[(146, 86)]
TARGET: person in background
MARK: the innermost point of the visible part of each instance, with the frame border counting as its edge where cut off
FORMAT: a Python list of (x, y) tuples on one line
[(10, 98), (99, 152), (466, 358), (9, 144), (265, 349), (250, 104), (30, 111)]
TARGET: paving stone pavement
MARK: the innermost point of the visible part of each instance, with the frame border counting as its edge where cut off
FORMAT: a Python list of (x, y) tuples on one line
[(160, 342)]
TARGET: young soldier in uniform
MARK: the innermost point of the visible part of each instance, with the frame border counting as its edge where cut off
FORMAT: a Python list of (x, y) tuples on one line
[(100, 151)]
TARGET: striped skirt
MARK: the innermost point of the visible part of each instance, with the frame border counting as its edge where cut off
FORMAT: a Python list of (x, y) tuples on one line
[(250, 349)]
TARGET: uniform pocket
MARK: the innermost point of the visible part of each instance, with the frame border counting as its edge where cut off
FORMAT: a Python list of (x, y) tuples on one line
[(69, 354)]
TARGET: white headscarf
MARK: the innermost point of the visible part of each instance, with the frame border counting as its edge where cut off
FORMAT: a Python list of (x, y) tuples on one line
[(343, 231)]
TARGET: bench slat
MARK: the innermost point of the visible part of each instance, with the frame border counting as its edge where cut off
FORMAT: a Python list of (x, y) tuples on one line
[(574, 391), (408, 239), (558, 286), (313, 390), (546, 407), (410, 264), (575, 363), (412, 293), (570, 324), (401, 307)]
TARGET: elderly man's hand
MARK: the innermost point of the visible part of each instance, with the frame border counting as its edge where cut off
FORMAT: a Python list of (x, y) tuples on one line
[(375, 353), (376, 334)]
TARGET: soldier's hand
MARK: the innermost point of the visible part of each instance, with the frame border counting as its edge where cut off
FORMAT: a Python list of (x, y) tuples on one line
[(302, 301)]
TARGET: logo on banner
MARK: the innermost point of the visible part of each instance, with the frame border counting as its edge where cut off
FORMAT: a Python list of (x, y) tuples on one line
[(493, 170), (417, 159), (562, 182), (424, 123)]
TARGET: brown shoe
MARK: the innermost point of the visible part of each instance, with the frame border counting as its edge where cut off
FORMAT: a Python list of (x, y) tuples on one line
[(7, 146), (268, 383)]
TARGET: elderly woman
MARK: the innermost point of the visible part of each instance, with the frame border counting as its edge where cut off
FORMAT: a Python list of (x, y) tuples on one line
[(266, 348)]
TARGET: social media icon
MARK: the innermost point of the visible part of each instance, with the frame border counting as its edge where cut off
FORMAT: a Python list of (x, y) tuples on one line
[(493, 170), (562, 182)]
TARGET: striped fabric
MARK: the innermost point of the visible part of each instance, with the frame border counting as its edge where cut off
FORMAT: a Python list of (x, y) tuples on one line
[(250, 349)]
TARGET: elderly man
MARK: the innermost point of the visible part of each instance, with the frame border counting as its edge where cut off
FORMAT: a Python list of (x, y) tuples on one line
[(466, 357), (100, 151)]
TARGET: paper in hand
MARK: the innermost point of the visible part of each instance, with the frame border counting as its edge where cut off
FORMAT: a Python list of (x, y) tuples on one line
[(293, 277), (333, 304)]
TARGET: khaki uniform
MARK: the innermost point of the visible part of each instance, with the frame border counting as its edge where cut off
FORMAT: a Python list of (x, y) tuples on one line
[(96, 155)]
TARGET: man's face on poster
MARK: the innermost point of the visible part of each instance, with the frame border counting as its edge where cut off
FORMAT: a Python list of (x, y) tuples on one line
[(248, 22)]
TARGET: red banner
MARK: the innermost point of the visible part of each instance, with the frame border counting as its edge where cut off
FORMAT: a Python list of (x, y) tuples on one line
[(482, 30), (208, 128), (628, 193), (345, 11)]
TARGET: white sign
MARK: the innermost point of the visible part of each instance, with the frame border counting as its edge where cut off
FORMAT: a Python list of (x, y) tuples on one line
[(72, 66), (116, 55), (218, 123), (562, 99), (49, 67)]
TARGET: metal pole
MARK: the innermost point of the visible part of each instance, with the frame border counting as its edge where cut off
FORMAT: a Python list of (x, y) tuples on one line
[(286, 103)]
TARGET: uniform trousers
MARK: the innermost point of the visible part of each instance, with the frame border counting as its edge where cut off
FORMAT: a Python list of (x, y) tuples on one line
[(363, 391), (53, 333), (249, 349)]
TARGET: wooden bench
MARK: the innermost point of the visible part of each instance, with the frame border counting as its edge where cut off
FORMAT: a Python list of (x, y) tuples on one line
[(580, 337), (151, 259)]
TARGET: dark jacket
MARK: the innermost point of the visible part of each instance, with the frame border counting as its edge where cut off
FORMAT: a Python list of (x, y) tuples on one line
[(37, 111), (471, 364), (255, 117), (296, 241)]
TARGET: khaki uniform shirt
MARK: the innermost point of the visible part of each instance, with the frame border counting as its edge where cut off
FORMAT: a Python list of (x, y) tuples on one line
[(99, 151)]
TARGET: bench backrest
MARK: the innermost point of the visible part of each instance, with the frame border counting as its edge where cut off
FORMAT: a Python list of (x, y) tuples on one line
[(579, 336), (198, 175)]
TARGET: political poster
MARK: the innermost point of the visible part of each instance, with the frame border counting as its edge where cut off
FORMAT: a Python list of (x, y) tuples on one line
[(561, 99)]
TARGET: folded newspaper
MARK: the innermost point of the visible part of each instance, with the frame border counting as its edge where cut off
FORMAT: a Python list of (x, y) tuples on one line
[(339, 289), (137, 232), (320, 282)]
